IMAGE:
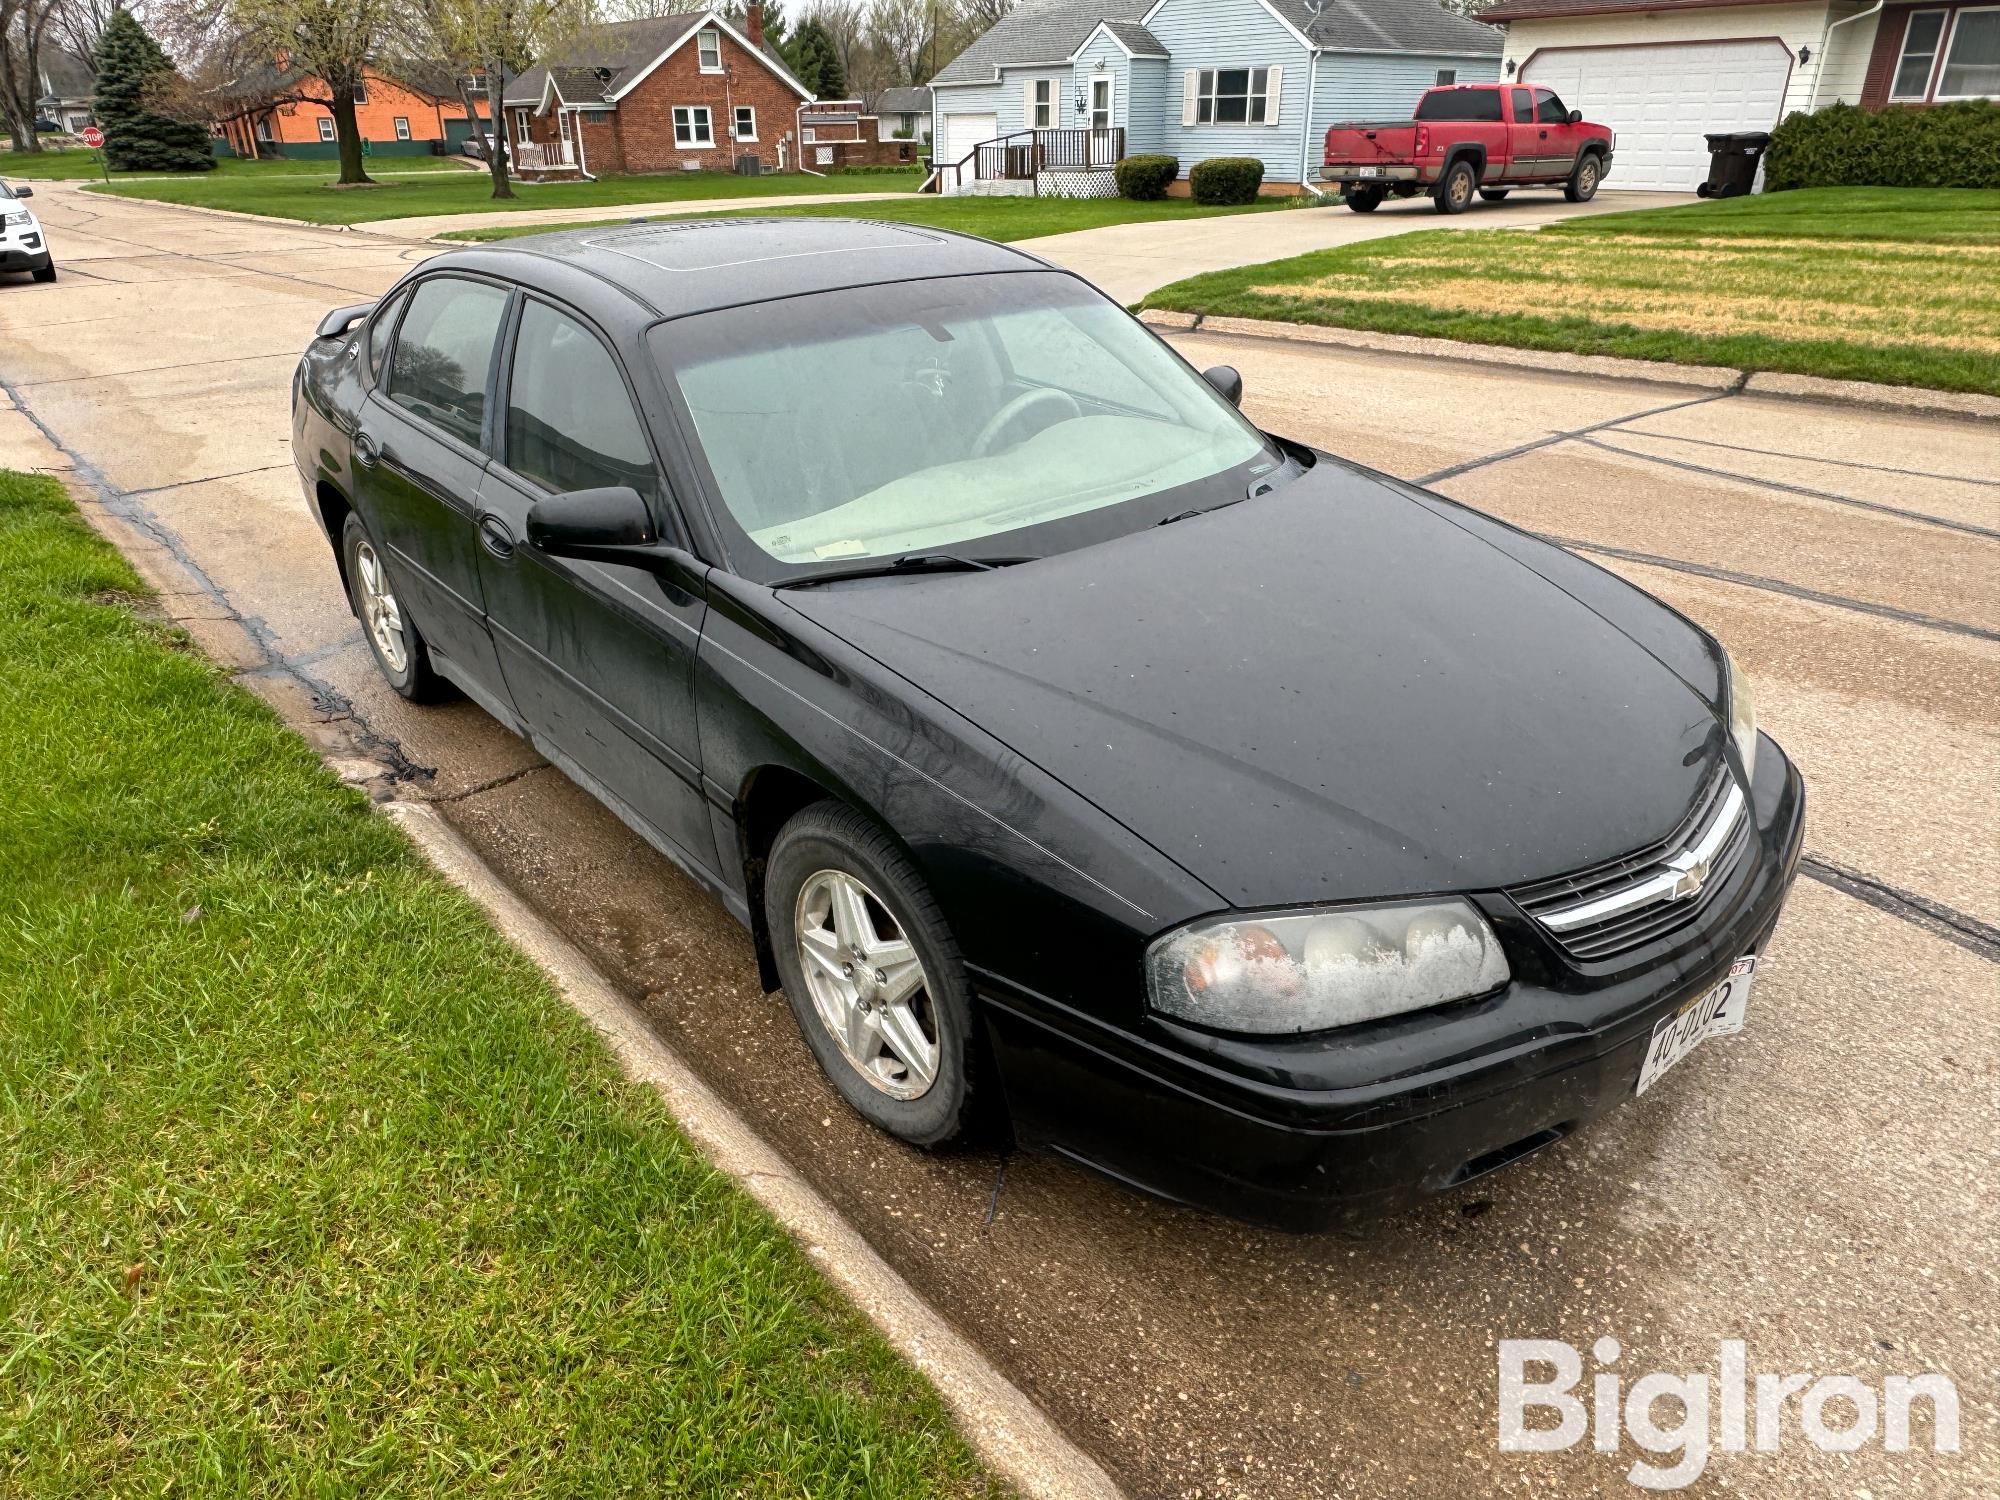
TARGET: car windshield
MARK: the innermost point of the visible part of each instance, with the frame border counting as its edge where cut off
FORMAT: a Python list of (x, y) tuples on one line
[(877, 422)]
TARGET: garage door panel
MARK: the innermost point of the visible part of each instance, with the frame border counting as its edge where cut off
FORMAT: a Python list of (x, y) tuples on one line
[(1663, 99), (963, 132)]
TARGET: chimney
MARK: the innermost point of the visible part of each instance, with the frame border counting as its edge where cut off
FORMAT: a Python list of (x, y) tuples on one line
[(753, 24)]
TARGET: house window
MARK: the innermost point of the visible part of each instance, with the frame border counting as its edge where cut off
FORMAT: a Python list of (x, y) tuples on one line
[(264, 127), (1232, 96), (1100, 104), (1044, 110), (521, 125), (709, 45), (325, 128), (1447, 77), (1972, 61), (361, 93), (597, 117), (691, 126), (1921, 36), (746, 123), (402, 128)]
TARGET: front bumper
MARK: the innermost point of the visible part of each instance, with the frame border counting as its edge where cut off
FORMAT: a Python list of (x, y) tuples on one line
[(1310, 1132), (27, 252)]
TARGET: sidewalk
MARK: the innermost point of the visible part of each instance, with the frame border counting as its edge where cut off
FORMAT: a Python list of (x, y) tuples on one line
[(428, 226)]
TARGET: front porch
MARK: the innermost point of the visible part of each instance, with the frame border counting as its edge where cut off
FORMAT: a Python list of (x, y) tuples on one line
[(1061, 163)]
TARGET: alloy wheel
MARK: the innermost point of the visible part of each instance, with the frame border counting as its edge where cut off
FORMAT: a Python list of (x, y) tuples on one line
[(867, 984), (381, 616)]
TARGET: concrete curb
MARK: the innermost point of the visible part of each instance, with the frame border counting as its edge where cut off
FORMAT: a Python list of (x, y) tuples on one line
[(1006, 1428), (1913, 400), (243, 218)]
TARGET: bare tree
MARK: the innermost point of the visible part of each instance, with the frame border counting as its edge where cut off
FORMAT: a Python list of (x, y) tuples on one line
[(497, 40), (335, 41), (845, 23), (235, 80), (78, 25), (24, 25)]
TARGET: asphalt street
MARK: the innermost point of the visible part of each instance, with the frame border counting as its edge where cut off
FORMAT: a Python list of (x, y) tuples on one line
[(1825, 1187)]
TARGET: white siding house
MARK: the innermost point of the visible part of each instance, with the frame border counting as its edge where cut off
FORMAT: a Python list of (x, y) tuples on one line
[(1195, 79)]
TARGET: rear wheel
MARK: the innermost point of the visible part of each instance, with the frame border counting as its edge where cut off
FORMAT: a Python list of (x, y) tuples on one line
[(1582, 184), (873, 975), (393, 638), (1495, 195), (1364, 200), (1455, 188)]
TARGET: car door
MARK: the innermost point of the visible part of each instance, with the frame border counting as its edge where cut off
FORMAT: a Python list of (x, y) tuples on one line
[(1557, 137), (598, 658), (418, 461), (1524, 140)]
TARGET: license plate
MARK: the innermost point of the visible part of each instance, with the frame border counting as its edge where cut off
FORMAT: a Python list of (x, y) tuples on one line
[(1367, 171), (1715, 1012)]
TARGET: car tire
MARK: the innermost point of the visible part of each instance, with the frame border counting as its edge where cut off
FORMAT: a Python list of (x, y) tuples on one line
[(45, 273), (1365, 201), (1455, 188), (398, 647), (858, 1035), (1495, 195), (1582, 184)]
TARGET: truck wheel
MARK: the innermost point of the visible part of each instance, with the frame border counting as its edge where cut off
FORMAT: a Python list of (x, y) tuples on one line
[(1582, 184), (1495, 195), (1455, 188), (1364, 200)]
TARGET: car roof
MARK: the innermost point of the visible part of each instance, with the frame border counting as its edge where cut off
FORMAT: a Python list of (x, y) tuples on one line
[(680, 267)]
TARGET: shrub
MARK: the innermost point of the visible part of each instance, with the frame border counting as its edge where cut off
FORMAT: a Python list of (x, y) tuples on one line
[(1226, 179), (1944, 145), (1146, 177)]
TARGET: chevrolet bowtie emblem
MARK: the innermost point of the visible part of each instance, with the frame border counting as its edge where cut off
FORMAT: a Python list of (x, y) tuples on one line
[(1692, 873)]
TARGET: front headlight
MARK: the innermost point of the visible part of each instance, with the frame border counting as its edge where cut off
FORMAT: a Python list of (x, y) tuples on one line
[(1311, 971), (1742, 709), (18, 216)]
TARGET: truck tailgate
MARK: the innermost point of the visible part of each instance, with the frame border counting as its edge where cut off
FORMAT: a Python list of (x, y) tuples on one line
[(1367, 142)]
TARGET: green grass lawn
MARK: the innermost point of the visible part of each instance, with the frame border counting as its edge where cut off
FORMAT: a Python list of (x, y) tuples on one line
[(76, 166), (993, 218), (310, 1184), (311, 195), (1889, 284)]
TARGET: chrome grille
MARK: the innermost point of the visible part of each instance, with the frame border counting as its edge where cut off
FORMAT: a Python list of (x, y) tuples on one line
[(1642, 897)]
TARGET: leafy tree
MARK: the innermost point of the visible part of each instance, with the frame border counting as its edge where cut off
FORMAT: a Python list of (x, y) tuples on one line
[(335, 41), (816, 61), (497, 40), (137, 137)]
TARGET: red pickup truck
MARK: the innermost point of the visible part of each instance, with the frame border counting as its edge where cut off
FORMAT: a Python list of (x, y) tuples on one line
[(1488, 138)]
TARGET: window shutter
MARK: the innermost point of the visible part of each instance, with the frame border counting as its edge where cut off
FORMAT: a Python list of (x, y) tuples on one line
[(1190, 92), (1274, 90), (1028, 105), (1055, 105)]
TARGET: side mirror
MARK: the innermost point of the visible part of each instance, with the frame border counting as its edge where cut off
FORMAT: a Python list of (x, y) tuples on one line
[(337, 322), (24, 192), (1226, 381), (610, 525), (1576, 117)]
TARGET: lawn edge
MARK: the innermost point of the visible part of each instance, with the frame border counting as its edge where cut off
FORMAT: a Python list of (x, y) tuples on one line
[(1002, 1424), (1912, 399)]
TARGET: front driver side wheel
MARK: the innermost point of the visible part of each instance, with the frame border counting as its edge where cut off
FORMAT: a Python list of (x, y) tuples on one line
[(393, 638), (872, 973), (1582, 184)]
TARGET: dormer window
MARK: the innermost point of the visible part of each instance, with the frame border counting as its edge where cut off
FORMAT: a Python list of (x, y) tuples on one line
[(709, 45)]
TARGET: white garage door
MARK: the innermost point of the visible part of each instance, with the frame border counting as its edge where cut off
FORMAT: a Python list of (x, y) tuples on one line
[(963, 132), (1663, 99)]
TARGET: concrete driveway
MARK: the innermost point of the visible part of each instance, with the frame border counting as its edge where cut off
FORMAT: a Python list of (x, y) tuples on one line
[(1823, 1187)]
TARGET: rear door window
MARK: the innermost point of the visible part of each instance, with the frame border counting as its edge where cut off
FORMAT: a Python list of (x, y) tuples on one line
[(1524, 107), (444, 354), (380, 329), (1480, 105)]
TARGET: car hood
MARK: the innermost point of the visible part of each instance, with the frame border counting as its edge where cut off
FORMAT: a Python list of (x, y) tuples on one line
[(1330, 692)]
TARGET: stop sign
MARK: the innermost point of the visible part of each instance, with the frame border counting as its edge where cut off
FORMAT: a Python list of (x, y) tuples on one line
[(92, 136)]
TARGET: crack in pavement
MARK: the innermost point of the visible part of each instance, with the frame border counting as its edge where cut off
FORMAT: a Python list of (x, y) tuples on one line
[(1521, 449), (1813, 458), (491, 783), (1947, 922), (1831, 496)]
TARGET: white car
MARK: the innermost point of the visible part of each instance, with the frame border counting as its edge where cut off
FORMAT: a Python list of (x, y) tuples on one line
[(23, 246)]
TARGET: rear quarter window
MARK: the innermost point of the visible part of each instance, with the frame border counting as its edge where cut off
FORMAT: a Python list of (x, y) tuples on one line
[(1478, 105)]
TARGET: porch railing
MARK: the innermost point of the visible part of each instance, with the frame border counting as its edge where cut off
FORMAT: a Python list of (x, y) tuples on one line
[(544, 156), (1026, 154)]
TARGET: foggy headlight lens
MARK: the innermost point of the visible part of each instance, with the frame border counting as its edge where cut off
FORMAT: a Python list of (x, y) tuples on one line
[(1742, 708), (1311, 971), (17, 216)]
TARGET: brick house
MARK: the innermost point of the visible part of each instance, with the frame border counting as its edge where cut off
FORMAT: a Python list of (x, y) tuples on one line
[(402, 116), (664, 94)]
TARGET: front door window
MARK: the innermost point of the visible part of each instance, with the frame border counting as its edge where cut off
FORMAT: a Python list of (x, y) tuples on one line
[(1100, 104)]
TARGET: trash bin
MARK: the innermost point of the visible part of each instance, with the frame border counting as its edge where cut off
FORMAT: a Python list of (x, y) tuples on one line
[(1732, 163)]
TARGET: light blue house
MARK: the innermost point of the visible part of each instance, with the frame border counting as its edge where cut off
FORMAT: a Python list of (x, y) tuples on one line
[(1060, 89)]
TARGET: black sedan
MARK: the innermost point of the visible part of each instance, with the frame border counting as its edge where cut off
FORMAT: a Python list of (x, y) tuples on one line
[(1234, 820)]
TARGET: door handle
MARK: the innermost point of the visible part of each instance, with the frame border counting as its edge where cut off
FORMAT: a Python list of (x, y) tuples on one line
[(366, 449), (495, 537), (1545, 135)]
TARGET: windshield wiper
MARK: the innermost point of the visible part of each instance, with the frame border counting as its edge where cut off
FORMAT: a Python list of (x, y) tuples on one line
[(1199, 510), (909, 562)]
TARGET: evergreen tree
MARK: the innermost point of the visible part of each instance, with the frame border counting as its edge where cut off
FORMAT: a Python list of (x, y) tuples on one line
[(816, 61), (137, 138)]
